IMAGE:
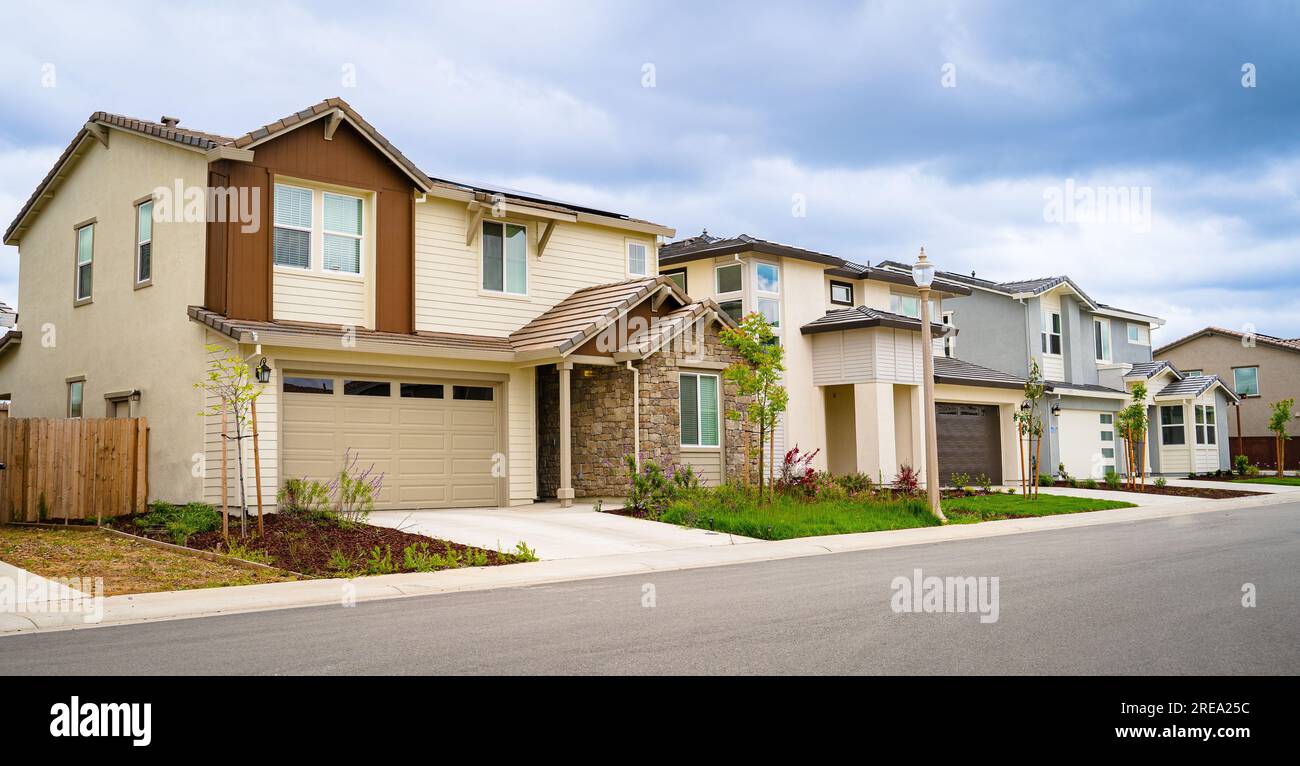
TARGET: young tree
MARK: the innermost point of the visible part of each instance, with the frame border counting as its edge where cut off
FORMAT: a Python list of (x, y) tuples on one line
[(233, 385), (1131, 424), (758, 377), (1277, 423), (1030, 424)]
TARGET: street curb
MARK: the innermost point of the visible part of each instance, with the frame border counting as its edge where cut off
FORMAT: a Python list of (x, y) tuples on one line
[(154, 607)]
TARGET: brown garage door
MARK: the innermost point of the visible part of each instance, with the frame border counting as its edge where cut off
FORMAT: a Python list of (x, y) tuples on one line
[(434, 441), (969, 442)]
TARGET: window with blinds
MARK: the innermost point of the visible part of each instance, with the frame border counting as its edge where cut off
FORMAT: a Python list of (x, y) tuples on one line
[(699, 410), (293, 219)]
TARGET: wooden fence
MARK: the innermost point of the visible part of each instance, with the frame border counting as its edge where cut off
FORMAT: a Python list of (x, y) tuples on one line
[(76, 468)]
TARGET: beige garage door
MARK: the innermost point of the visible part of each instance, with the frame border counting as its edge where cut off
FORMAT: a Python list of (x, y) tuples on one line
[(433, 441)]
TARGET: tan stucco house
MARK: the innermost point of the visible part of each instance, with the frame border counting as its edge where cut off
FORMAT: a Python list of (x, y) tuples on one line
[(1259, 368), (479, 346)]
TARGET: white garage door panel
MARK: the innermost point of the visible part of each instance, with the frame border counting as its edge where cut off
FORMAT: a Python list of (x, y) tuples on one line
[(432, 452)]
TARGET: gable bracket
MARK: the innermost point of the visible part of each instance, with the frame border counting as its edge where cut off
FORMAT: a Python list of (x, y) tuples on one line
[(473, 219), (332, 124), (544, 238)]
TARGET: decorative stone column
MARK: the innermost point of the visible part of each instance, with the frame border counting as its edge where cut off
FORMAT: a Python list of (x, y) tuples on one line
[(565, 491)]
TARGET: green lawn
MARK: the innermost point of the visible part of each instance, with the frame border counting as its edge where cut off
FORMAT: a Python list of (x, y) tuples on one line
[(790, 517), (1289, 481), (969, 510)]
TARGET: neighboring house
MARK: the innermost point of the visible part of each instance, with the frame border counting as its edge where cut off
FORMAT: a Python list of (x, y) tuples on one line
[(480, 346), (1086, 351), (1259, 368), (852, 335)]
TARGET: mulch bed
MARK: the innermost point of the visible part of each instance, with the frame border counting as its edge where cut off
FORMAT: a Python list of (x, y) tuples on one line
[(306, 546), (1207, 493)]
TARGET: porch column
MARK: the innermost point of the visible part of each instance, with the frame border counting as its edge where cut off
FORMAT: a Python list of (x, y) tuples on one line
[(873, 415), (916, 402), (565, 491)]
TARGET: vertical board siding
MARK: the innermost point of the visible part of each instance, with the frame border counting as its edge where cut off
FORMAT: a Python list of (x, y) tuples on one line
[(72, 468)]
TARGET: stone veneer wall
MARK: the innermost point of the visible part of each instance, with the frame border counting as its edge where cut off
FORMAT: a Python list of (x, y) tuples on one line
[(602, 419)]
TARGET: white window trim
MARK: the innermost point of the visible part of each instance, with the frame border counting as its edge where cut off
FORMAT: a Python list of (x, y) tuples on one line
[(1206, 425), (699, 411), (1108, 348), (730, 295), (627, 251), (316, 233), (949, 341), (360, 238), (1161, 424), (140, 242), (528, 249), (769, 295), (1138, 341), (1046, 333), (1258, 387)]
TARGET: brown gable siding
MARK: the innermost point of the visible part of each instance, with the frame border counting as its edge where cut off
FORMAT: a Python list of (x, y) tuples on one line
[(346, 160)]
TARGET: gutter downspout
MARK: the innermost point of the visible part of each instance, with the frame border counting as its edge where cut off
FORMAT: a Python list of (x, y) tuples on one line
[(636, 413)]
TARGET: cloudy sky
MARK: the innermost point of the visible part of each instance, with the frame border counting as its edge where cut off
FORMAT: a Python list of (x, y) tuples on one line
[(862, 129)]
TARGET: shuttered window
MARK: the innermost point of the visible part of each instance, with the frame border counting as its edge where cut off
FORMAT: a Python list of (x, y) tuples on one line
[(698, 400)]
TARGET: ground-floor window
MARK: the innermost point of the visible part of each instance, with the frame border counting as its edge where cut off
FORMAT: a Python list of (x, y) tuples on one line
[(698, 404), (1171, 425), (76, 389), (1205, 426)]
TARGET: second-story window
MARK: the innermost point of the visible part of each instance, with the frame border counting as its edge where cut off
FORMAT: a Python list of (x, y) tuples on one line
[(1101, 338), (505, 258), (636, 259), (842, 293), (1051, 332), (308, 221), (728, 282), (949, 339), (678, 276), (1139, 334), (906, 305), (1245, 381), (85, 283), (341, 235), (293, 219), (767, 292), (144, 243)]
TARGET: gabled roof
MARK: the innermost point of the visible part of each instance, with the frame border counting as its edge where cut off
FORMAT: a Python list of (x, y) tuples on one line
[(863, 317), (955, 371), (1029, 288), (10, 338), (573, 321), (325, 108), (201, 141), (705, 245), (1272, 341), (1148, 370), (1190, 388)]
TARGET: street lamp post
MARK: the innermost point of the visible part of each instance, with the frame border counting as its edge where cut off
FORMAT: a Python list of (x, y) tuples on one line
[(923, 275)]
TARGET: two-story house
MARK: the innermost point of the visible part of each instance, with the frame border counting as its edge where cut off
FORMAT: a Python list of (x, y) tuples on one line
[(478, 346), (1261, 369), (1090, 355), (853, 358)]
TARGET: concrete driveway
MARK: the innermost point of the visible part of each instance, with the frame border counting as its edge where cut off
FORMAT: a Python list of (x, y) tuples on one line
[(553, 532)]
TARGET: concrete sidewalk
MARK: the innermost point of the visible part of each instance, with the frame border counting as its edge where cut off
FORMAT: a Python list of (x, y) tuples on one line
[(553, 532), (250, 598)]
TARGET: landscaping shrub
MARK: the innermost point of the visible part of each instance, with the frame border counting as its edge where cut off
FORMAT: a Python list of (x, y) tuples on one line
[(1241, 463), (180, 522), (907, 481), (306, 497), (1046, 480), (1161, 483), (961, 480), (650, 490), (1090, 484), (1112, 480), (853, 483), (347, 500), (797, 472), (985, 483)]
